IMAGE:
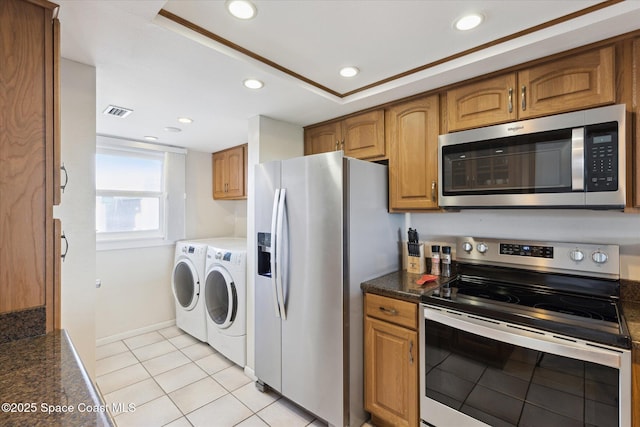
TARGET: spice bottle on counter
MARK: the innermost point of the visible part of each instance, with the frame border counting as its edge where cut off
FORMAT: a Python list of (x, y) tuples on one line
[(446, 261), (435, 260)]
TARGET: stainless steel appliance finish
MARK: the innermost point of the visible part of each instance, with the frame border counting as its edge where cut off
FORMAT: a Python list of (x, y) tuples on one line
[(572, 160), (527, 331), (323, 228)]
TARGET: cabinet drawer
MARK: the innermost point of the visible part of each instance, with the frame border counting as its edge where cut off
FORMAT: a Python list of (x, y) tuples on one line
[(392, 310)]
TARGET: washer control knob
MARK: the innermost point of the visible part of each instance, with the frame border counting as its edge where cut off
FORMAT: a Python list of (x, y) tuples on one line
[(467, 247), (482, 248), (218, 255), (576, 255), (599, 257)]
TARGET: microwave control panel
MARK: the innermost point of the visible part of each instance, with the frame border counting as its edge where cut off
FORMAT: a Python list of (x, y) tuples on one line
[(601, 157)]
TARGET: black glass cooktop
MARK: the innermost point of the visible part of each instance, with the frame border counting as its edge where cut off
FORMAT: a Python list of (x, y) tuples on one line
[(579, 307)]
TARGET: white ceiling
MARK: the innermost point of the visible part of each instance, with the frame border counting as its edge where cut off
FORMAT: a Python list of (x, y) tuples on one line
[(162, 70)]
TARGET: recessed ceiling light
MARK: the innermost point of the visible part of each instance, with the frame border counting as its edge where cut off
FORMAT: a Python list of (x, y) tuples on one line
[(469, 22), (151, 138), (241, 9), (172, 129), (185, 120), (253, 83), (349, 71)]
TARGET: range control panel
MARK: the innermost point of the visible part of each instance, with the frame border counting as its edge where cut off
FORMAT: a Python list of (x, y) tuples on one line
[(584, 259), (526, 250)]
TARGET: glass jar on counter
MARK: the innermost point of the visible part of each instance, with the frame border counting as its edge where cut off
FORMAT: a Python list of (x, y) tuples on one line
[(446, 261), (435, 260)]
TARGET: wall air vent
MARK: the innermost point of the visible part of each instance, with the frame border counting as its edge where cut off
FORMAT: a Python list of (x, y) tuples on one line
[(120, 112)]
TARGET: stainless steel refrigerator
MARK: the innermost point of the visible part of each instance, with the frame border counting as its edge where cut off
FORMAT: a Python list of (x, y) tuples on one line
[(323, 228)]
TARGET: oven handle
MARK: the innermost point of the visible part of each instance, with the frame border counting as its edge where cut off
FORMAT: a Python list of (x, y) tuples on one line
[(526, 337)]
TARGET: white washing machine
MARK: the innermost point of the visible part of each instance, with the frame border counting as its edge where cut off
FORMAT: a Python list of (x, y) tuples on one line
[(187, 284), (225, 293)]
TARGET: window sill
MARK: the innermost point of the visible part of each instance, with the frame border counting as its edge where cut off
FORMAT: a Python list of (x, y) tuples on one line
[(111, 245)]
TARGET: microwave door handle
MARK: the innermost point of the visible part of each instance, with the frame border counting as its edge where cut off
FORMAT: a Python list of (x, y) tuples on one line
[(274, 253), (577, 159)]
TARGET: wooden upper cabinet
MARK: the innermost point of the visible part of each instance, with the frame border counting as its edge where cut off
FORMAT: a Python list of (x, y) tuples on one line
[(363, 136), (576, 82), (412, 129), (360, 136), (477, 104), (322, 139), (229, 173)]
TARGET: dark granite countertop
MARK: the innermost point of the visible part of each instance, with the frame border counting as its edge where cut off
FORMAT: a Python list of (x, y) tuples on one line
[(402, 285), (43, 383)]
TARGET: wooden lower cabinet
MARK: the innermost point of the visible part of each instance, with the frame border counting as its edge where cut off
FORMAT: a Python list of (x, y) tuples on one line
[(635, 388), (391, 365)]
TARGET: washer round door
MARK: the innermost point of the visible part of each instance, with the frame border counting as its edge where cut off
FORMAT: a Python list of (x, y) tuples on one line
[(221, 297), (185, 284)]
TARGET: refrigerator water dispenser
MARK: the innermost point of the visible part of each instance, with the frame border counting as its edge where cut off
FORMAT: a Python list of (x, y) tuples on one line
[(264, 254)]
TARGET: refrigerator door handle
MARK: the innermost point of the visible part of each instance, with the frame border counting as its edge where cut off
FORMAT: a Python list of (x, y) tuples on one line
[(274, 261), (279, 253)]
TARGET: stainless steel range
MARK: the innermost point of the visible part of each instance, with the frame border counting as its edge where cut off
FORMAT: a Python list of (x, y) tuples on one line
[(526, 334)]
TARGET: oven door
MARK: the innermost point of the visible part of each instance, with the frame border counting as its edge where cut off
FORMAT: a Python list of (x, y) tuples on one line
[(476, 371)]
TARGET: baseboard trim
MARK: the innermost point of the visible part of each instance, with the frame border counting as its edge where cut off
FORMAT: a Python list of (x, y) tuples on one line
[(133, 333)]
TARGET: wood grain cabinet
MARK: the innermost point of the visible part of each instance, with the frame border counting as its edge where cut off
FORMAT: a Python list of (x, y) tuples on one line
[(635, 392), (634, 150), (391, 361), (360, 136), (576, 82), (230, 173), (29, 156), (412, 129)]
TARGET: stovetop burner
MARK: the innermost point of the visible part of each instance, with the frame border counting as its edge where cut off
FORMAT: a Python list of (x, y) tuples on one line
[(585, 308)]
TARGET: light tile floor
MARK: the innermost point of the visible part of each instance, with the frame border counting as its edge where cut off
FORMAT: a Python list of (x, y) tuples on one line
[(174, 380)]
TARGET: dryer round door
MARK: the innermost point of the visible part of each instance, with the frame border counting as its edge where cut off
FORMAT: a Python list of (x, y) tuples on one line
[(221, 297), (185, 284)]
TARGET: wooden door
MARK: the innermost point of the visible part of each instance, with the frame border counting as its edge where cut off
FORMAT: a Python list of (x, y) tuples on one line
[(322, 139), (412, 129), (26, 202), (577, 82), (483, 103), (236, 172), (363, 136), (219, 161), (391, 373)]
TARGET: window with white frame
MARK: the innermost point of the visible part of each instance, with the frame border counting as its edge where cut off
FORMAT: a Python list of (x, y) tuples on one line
[(136, 202)]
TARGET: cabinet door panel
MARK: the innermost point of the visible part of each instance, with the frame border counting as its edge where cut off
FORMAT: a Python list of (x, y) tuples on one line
[(322, 139), (412, 129), (235, 172), (363, 136), (219, 181), (577, 82), (391, 372), (479, 104)]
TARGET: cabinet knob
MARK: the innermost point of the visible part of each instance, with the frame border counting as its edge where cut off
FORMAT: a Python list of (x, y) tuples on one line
[(390, 311), (510, 100), (66, 177), (434, 186), (66, 246), (523, 93)]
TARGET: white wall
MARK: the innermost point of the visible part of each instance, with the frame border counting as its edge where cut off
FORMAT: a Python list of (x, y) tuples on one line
[(268, 140), (77, 209), (206, 217), (136, 283), (574, 226)]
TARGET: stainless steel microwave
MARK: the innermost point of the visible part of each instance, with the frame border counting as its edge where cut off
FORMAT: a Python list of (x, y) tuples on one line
[(571, 160)]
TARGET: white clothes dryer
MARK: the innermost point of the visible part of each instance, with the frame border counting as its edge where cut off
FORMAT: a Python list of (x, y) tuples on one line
[(187, 285), (225, 293)]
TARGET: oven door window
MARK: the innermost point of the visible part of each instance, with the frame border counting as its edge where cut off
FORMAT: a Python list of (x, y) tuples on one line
[(535, 163), (507, 385)]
